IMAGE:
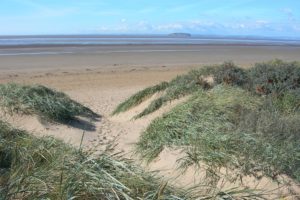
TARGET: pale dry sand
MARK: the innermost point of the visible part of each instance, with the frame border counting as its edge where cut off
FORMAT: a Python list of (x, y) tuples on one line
[(103, 87)]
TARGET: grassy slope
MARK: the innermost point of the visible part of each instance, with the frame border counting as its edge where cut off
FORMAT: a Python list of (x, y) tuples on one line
[(249, 121), (139, 97), (42, 101), (179, 87), (214, 111), (43, 168), (227, 128), (46, 168)]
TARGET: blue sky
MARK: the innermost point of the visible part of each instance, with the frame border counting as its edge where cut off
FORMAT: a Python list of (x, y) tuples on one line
[(218, 17)]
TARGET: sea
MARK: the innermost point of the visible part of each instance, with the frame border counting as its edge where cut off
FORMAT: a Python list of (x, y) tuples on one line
[(20, 45), (48, 40)]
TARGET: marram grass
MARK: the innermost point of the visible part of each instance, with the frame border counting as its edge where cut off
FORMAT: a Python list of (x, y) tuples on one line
[(139, 97), (269, 78), (204, 113), (46, 168), (179, 87), (42, 101), (248, 120)]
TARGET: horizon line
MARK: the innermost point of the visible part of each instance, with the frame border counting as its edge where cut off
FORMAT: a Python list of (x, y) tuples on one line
[(153, 34)]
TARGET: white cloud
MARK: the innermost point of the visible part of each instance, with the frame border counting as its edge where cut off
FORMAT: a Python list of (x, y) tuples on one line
[(287, 10), (170, 26), (143, 26), (296, 27), (289, 13), (242, 27)]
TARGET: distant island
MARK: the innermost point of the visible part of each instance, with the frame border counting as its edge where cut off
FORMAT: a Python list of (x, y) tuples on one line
[(179, 35)]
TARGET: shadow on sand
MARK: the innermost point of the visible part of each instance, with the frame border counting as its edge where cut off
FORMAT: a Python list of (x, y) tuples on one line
[(85, 122)]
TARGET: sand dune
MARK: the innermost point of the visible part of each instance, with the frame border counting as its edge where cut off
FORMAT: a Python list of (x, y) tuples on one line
[(102, 91)]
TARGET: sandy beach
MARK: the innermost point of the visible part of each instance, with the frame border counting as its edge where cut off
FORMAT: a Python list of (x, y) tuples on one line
[(102, 77)]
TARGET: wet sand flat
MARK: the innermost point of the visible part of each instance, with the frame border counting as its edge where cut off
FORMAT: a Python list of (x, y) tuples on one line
[(62, 58)]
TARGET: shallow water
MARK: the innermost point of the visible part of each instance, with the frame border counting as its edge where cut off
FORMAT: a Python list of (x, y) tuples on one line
[(9, 41)]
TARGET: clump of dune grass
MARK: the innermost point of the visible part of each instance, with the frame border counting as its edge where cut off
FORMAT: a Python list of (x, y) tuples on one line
[(46, 168), (42, 101), (230, 74), (274, 77), (139, 97), (181, 86)]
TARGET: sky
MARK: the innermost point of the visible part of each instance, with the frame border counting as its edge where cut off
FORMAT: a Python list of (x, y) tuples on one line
[(206, 17)]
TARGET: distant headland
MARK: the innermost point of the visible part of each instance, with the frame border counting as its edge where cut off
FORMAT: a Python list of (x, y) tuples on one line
[(179, 35)]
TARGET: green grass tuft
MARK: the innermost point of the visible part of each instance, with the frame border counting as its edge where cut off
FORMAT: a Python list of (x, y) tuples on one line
[(275, 77), (179, 87), (230, 74), (139, 97), (42, 101), (154, 105)]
